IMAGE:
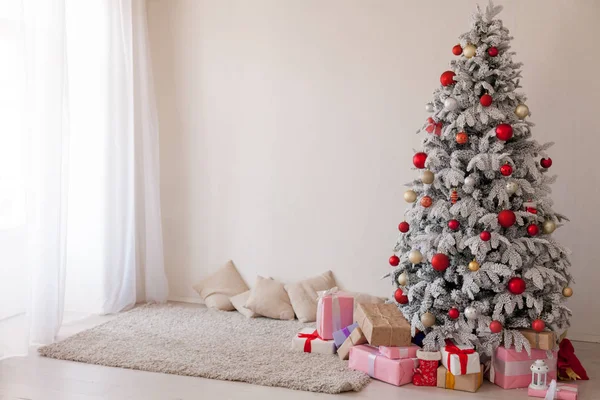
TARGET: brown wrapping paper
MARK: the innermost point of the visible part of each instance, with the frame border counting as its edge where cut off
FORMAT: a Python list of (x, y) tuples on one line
[(466, 383), (383, 324), (539, 340), (356, 337)]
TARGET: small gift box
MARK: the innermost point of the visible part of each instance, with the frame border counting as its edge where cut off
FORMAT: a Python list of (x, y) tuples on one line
[(460, 360), (399, 352), (356, 337), (335, 310), (383, 324), (560, 391), (308, 341), (539, 340), (510, 369), (367, 359), (339, 337), (466, 383)]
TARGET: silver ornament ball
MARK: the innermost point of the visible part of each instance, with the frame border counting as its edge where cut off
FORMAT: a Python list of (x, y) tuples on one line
[(548, 226), (450, 104), (469, 51), (410, 196), (402, 279), (427, 177), (469, 181), (429, 107), (512, 187), (522, 111), (428, 319), (471, 313), (415, 256)]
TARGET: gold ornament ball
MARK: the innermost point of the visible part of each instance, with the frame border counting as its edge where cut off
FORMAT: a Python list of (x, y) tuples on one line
[(410, 196), (402, 279), (469, 51), (427, 177), (522, 111), (548, 226), (428, 319), (474, 266), (567, 292), (415, 256)]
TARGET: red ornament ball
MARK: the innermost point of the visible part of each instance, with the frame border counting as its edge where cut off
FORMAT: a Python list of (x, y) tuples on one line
[(506, 170), (485, 236), (447, 78), (496, 326), (400, 297), (440, 262), (493, 51), (426, 201), (485, 100), (462, 138), (546, 162), (516, 285), (533, 230), (504, 132), (419, 160), (403, 226), (453, 313), (394, 261), (506, 218), (538, 325), (457, 50), (453, 224)]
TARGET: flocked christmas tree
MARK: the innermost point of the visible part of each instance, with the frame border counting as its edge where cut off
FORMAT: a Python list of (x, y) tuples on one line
[(475, 259)]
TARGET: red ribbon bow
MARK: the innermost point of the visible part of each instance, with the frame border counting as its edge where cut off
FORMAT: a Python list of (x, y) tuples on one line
[(463, 355), (309, 338)]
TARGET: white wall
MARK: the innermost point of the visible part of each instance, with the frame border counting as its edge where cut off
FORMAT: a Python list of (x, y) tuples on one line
[(287, 130)]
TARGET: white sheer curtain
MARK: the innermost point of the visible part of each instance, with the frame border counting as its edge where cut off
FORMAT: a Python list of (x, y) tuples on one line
[(80, 224)]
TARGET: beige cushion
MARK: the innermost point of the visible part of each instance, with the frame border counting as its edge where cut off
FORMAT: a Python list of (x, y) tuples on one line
[(303, 295), (217, 288), (268, 298), (239, 301)]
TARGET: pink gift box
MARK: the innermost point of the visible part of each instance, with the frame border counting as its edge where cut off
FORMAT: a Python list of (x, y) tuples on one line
[(510, 369), (335, 310), (564, 391), (368, 359), (398, 353)]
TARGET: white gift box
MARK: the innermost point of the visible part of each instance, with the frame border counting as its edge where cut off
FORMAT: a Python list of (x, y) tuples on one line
[(458, 362), (308, 341)]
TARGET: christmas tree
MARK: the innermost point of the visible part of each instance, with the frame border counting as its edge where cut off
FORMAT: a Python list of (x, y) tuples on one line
[(475, 259)]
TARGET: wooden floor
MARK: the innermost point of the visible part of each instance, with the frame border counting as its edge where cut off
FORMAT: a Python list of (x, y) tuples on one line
[(39, 378)]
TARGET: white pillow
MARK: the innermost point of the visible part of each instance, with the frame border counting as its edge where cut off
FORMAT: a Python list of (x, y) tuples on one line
[(303, 295), (269, 299), (239, 301), (217, 288)]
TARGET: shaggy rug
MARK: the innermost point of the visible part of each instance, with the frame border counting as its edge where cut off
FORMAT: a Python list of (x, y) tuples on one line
[(196, 341)]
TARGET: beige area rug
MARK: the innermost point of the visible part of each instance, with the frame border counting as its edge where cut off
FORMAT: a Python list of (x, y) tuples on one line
[(195, 341)]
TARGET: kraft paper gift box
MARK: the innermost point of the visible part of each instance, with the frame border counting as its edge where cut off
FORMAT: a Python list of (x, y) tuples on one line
[(559, 391), (356, 338), (539, 340), (335, 310), (368, 359), (339, 337), (509, 368), (466, 383), (397, 353), (383, 324), (308, 341), (460, 360)]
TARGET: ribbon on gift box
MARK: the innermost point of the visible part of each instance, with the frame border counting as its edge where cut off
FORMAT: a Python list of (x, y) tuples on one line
[(451, 381), (463, 355), (346, 331), (309, 338), (554, 388), (372, 358), (336, 317)]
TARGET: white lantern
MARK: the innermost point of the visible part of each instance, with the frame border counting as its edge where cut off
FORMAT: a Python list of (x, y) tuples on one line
[(539, 375)]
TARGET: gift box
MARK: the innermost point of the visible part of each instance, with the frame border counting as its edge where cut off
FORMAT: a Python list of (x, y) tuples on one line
[(339, 337), (466, 383), (509, 368), (460, 360), (383, 324), (308, 341), (335, 310), (368, 359), (397, 353), (539, 340), (560, 391), (356, 338)]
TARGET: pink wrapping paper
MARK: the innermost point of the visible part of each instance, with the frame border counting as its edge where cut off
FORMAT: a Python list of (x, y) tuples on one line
[(397, 353), (335, 311), (510, 369), (368, 360), (564, 391)]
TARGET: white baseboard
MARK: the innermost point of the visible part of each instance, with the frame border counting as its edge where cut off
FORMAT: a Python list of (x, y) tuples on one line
[(583, 337), (185, 299)]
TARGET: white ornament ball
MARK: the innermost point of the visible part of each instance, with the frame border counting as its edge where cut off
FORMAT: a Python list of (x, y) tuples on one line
[(428, 319), (469, 181), (469, 51), (471, 313), (429, 107), (522, 111), (450, 104), (427, 177), (402, 279), (415, 256), (512, 187)]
